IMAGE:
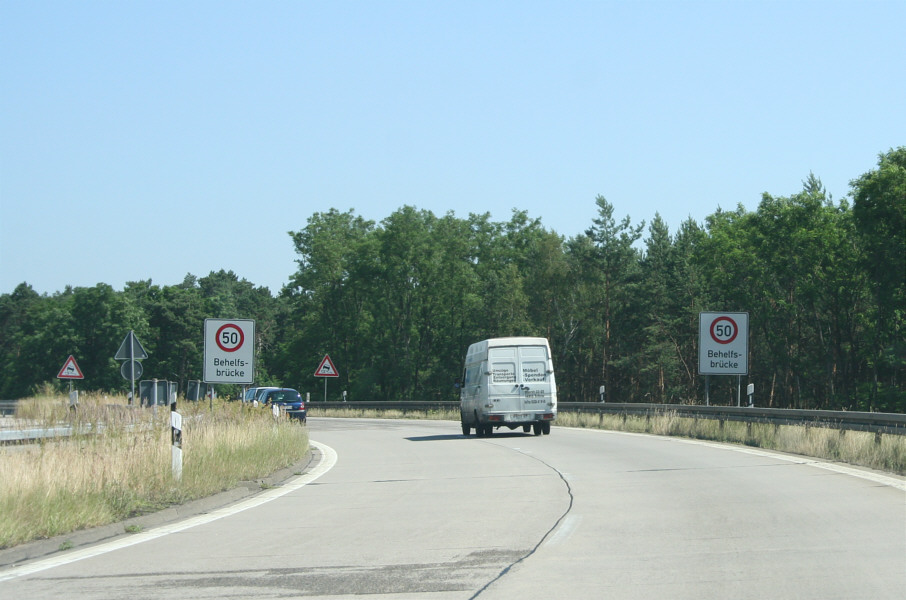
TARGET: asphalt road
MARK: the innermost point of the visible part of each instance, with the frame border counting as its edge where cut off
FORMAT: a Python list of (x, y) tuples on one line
[(407, 509)]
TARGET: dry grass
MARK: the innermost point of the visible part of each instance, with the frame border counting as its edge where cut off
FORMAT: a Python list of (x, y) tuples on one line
[(852, 447), (125, 468)]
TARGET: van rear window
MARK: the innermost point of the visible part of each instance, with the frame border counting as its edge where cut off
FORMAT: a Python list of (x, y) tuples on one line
[(534, 372), (503, 372)]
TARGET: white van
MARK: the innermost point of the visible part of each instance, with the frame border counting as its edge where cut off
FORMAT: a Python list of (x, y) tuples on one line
[(508, 382)]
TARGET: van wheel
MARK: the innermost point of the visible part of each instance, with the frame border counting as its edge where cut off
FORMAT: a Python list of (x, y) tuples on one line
[(488, 430), (466, 429), (526, 428), (546, 427), (536, 427)]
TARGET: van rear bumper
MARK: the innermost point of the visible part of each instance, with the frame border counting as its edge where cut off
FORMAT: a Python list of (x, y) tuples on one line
[(520, 418)]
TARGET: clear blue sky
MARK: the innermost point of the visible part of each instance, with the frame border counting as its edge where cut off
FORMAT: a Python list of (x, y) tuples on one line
[(151, 139)]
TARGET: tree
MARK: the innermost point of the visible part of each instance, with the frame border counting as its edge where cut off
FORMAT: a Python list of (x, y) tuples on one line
[(176, 321), (661, 357), (101, 318), (607, 266), (807, 261), (35, 338), (791, 265), (408, 307), (879, 209), (688, 296), (326, 308)]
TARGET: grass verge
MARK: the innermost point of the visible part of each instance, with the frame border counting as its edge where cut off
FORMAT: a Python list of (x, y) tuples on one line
[(124, 468)]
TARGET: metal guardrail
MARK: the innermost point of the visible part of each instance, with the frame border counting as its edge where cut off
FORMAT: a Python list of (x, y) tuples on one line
[(31, 434), (891, 423), (407, 406), (24, 431)]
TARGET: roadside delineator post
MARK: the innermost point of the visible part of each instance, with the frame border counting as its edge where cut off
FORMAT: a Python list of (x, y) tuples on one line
[(176, 441)]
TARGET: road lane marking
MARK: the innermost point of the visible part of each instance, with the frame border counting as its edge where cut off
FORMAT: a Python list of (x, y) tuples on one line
[(565, 530), (872, 476), (875, 477), (328, 460)]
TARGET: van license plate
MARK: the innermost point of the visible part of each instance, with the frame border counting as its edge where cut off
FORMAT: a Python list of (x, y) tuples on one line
[(519, 417)]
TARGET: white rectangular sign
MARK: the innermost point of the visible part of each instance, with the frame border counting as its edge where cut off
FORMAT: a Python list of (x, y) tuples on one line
[(723, 343), (229, 351)]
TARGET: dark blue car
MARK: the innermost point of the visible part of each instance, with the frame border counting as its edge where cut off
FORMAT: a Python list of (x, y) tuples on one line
[(288, 399)]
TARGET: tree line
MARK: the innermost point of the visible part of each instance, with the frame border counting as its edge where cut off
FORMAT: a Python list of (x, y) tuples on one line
[(397, 303)]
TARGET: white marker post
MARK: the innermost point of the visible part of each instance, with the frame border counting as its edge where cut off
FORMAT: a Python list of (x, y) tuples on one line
[(176, 441)]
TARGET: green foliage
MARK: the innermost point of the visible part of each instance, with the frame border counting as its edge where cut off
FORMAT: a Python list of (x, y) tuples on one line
[(396, 304), (879, 211)]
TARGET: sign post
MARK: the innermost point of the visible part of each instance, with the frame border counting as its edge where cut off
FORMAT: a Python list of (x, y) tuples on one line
[(229, 351), (131, 350), (723, 345), (326, 369)]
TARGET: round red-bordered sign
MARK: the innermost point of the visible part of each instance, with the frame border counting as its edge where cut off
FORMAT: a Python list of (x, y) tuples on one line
[(230, 338), (718, 335)]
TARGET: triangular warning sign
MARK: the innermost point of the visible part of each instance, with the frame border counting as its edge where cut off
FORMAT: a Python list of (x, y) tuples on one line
[(70, 370), (326, 368), (131, 348)]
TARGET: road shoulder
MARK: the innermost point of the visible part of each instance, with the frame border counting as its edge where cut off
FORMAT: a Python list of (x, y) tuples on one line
[(85, 537)]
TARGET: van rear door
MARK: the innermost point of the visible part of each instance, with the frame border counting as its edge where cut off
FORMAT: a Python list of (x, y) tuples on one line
[(503, 389), (519, 380), (536, 379)]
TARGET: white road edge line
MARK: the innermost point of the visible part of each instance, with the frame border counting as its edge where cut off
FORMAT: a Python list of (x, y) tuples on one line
[(328, 460), (881, 478)]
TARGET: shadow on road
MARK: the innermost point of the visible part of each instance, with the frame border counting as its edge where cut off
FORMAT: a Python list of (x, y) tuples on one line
[(459, 436)]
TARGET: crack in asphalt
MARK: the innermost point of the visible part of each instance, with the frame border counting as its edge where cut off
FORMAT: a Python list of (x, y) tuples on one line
[(544, 538)]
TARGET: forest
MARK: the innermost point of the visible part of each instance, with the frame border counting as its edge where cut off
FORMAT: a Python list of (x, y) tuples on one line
[(395, 304)]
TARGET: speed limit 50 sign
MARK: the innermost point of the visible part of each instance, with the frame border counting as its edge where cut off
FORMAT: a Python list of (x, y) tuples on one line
[(229, 351), (723, 343)]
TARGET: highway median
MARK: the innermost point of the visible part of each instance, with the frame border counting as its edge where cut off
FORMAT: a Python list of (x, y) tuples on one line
[(117, 462)]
